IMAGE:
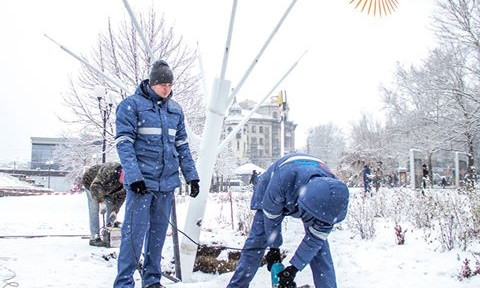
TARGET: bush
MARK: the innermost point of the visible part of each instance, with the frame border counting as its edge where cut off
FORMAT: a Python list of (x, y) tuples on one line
[(361, 216)]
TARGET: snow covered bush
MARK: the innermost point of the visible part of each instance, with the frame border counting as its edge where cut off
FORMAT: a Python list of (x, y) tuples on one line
[(244, 214), (420, 209), (473, 196), (361, 216), (444, 215), (379, 203), (452, 212), (396, 205)]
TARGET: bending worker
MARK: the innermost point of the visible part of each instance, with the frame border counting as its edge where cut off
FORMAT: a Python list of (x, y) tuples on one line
[(300, 186)]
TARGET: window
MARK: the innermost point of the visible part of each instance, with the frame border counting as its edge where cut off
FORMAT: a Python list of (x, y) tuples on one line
[(260, 129), (254, 129)]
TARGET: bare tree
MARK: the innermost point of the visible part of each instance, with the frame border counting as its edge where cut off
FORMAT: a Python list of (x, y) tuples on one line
[(119, 53), (225, 165), (326, 142), (436, 104), (79, 151), (419, 115), (457, 23), (369, 144)]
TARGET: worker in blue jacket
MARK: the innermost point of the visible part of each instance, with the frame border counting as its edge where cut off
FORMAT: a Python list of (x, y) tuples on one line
[(152, 146), (300, 186)]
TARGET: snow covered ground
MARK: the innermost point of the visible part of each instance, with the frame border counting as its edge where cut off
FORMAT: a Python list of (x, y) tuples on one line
[(60, 261)]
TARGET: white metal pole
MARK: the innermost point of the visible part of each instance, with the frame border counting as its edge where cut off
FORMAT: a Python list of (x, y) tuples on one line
[(207, 157), (139, 31), (265, 45), (111, 79), (216, 107)]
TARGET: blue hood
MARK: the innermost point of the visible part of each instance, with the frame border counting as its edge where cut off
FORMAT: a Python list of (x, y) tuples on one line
[(326, 199)]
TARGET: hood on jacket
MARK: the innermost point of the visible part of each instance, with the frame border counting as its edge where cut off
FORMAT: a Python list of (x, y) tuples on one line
[(326, 199)]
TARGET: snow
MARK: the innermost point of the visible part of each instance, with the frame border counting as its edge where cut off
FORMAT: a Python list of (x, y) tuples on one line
[(68, 261), (7, 182)]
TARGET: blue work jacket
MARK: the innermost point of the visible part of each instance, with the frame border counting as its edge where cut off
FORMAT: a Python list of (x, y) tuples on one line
[(151, 140), (277, 193)]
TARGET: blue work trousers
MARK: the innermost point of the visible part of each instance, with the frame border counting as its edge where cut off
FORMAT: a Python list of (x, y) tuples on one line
[(322, 264), (145, 225), (93, 211), (251, 254)]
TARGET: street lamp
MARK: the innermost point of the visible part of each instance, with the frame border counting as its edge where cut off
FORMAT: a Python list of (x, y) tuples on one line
[(105, 105), (49, 164)]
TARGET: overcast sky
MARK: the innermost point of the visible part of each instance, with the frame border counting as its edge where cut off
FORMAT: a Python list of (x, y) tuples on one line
[(349, 55)]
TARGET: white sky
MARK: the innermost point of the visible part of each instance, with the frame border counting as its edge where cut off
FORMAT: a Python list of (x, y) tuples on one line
[(349, 54)]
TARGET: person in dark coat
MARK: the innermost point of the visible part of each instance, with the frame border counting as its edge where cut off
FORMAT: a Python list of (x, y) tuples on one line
[(153, 148), (425, 175), (366, 179), (300, 186), (254, 178), (444, 182), (104, 184)]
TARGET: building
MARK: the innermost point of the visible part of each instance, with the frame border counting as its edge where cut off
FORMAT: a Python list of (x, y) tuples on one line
[(259, 140), (43, 153)]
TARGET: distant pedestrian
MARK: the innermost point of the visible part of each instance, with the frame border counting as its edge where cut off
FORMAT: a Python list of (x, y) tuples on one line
[(254, 178), (366, 179), (377, 178), (425, 175), (444, 181)]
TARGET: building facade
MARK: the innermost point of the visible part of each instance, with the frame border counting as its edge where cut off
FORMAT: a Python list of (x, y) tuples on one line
[(259, 140), (43, 150)]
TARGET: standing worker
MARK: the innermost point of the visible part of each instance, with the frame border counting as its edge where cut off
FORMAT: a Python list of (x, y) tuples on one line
[(301, 186), (152, 145)]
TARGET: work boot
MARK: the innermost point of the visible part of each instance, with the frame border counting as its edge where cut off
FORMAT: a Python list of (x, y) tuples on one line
[(96, 242)]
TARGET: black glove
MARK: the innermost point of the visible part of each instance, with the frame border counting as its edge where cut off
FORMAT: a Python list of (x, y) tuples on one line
[(286, 276), (273, 256), (139, 187), (194, 188)]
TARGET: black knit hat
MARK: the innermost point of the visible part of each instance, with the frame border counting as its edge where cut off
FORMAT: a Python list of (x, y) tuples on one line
[(160, 73)]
